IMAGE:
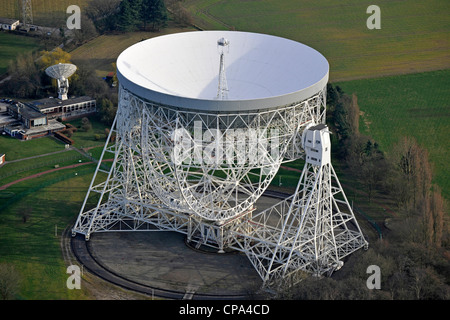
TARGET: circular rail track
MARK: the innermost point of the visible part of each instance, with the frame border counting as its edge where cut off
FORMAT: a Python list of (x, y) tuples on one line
[(161, 264), (169, 272)]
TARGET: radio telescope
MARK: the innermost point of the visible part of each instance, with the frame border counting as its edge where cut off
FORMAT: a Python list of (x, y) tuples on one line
[(61, 72), (189, 161)]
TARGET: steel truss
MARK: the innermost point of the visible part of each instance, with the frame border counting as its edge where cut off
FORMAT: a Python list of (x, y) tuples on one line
[(212, 201), (27, 13)]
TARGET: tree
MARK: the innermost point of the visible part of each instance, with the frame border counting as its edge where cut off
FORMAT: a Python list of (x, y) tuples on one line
[(86, 124), (50, 58), (414, 168), (103, 14), (438, 209), (86, 82), (353, 115), (26, 78), (332, 95), (344, 118), (107, 110), (180, 14), (25, 212), (154, 12), (133, 14), (129, 15), (411, 184), (9, 281), (431, 209), (87, 32), (366, 162)]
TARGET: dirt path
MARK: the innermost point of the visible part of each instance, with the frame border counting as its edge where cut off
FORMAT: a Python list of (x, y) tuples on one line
[(38, 156)]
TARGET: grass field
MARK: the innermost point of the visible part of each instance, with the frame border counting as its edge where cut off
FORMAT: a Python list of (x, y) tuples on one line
[(45, 12), (17, 149), (53, 202), (416, 105), (86, 139), (32, 247), (414, 35), (13, 171), (11, 45)]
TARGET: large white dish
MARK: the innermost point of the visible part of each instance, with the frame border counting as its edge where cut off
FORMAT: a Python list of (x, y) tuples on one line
[(262, 71)]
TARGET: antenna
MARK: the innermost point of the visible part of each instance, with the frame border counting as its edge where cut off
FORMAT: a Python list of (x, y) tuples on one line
[(27, 13), (222, 92), (61, 72)]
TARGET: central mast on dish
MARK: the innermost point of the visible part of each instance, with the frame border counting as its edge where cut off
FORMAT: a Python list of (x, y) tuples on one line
[(222, 92)]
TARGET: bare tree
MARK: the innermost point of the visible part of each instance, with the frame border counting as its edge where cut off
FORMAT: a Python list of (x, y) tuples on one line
[(438, 207), (353, 115), (25, 79), (366, 162), (25, 213), (179, 12), (9, 281), (414, 166), (86, 33)]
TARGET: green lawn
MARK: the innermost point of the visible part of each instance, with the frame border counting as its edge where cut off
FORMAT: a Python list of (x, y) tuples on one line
[(86, 139), (11, 45), (17, 149), (13, 171), (53, 202), (414, 105)]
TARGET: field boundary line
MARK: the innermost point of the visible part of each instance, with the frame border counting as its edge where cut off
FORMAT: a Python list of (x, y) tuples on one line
[(43, 173)]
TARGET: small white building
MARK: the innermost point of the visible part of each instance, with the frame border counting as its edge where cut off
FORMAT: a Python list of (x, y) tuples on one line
[(9, 24)]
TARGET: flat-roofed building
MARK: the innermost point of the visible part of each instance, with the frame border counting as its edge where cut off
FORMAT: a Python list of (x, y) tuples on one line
[(28, 123), (42, 117), (66, 109), (28, 116), (9, 24)]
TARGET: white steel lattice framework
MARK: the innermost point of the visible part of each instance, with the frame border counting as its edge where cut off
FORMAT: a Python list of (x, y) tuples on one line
[(223, 86), (191, 171)]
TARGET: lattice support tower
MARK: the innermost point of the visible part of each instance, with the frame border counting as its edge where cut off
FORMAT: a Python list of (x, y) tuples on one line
[(311, 231), (27, 13)]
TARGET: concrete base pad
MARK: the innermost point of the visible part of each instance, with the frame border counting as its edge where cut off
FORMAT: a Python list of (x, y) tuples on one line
[(162, 260)]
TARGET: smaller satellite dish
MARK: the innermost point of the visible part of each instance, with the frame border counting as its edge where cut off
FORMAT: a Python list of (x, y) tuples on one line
[(61, 72)]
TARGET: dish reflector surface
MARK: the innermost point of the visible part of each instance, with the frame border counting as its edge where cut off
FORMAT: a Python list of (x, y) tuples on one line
[(262, 71), (61, 70)]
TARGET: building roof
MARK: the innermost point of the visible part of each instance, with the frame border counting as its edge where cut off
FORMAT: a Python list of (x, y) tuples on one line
[(8, 21), (262, 71), (26, 111), (52, 125), (46, 103)]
